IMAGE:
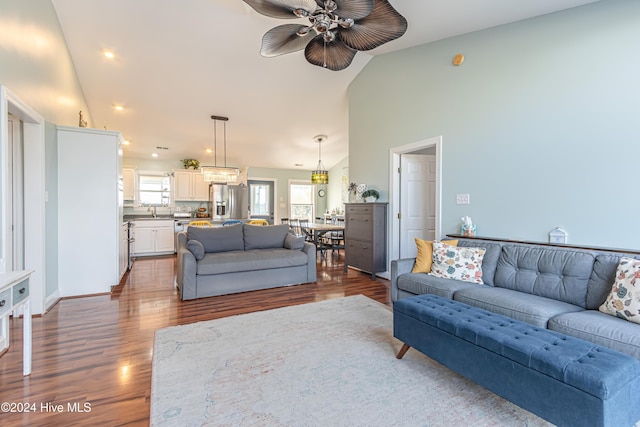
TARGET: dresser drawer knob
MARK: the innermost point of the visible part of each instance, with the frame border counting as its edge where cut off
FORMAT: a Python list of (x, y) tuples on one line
[(2, 303), (22, 291)]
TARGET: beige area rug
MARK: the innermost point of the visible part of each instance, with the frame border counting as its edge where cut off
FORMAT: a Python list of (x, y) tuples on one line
[(330, 363)]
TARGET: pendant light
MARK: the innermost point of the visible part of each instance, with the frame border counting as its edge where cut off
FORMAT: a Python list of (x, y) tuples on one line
[(220, 174), (320, 175)]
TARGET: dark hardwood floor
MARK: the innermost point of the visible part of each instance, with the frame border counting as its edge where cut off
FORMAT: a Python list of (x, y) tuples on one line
[(94, 353)]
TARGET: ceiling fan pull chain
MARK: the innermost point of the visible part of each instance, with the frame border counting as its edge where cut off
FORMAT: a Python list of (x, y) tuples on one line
[(324, 54)]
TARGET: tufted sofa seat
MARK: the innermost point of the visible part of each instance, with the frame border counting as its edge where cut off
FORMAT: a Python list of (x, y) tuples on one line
[(568, 381), (556, 288)]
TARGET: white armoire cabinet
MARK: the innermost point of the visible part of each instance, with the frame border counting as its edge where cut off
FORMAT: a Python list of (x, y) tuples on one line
[(90, 199)]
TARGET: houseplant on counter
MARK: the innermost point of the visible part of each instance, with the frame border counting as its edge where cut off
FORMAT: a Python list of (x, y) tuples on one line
[(370, 195)]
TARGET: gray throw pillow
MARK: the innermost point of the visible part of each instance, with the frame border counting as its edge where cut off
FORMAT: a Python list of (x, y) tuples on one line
[(218, 239), (196, 249), (264, 236), (293, 242)]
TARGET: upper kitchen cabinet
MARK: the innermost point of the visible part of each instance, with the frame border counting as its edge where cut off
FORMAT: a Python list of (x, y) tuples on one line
[(129, 184), (190, 185), (90, 196)]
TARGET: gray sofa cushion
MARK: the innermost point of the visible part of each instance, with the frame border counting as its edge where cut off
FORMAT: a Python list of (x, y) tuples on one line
[(554, 273), (293, 242), (601, 329), (260, 259), (218, 239), (490, 259), (264, 237), (196, 248), (602, 278), (422, 283), (528, 308)]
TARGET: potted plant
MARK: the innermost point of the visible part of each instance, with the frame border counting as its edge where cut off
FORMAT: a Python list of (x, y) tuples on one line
[(371, 195), (195, 164)]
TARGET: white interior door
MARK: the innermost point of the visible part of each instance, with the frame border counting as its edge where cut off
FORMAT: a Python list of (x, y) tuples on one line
[(417, 201), (15, 235)]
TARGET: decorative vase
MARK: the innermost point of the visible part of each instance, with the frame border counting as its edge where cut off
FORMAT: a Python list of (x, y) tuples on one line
[(370, 199), (361, 188)]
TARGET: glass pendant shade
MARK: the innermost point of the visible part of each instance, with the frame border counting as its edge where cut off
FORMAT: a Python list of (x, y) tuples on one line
[(320, 175), (219, 174)]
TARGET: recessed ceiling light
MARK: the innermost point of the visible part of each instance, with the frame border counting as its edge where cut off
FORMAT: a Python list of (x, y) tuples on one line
[(108, 53), (209, 150), (126, 142), (154, 155), (118, 107)]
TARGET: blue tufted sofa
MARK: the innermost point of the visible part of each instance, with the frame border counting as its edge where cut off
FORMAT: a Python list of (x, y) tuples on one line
[(565, 380), (557, 288)]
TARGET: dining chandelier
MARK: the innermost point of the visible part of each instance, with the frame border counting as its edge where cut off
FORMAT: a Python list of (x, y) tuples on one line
[(320, 175), (220, 174)]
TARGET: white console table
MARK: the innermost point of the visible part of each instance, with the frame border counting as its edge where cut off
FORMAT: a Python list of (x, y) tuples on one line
[(14, 293)]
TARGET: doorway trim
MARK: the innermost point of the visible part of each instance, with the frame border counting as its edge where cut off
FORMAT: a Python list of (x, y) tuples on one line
[(394, 190), (34, 190), (276, 211)]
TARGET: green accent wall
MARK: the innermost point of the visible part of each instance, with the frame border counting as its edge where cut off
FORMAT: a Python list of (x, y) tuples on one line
[(539, 124)]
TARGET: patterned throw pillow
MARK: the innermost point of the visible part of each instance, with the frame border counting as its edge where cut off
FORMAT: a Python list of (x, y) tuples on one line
[(459, 263), (424, 259), (624, 299)]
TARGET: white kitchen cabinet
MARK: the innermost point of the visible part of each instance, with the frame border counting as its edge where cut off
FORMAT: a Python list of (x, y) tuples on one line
[(190, 185), (89, 210), (129, 184), (154, 237)]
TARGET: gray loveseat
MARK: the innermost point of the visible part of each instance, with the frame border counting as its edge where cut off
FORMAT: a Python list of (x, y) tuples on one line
[(239, 258), (550, 287)]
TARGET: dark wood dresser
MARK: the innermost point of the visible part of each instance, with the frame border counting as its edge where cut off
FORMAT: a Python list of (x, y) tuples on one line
[(365, 237)]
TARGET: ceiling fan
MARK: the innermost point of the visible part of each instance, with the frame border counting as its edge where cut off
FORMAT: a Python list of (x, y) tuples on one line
[(338, 28)]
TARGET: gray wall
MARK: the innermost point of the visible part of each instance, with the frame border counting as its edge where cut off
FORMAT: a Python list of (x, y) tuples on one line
[(35, 65), (336, 184), (282, 177), (539, 124)]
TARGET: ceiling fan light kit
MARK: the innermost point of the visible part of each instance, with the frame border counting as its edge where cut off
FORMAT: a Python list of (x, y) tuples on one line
[(338, 28)]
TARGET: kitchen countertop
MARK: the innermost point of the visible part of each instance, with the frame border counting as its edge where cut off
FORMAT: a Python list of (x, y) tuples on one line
[(171, 218), (149, 217)]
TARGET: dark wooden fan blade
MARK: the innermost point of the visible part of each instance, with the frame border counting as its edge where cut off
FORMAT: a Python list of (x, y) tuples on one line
[(281, 8), (382, 25), (284, 39), (335, 55), (354, 9)]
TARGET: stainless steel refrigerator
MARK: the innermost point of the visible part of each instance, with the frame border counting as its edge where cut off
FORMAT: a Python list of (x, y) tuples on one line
[(229, 201)]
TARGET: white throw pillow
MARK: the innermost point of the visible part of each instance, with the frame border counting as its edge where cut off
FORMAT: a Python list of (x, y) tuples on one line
[(624, 299), (457, 262)]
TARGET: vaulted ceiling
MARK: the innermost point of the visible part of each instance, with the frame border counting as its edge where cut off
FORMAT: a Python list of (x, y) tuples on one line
[(179, 62)]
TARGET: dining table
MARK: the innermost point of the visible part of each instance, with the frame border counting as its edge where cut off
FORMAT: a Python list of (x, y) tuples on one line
[(320, 230)]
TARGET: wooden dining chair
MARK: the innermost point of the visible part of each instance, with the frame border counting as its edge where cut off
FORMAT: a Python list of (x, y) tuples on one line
[(294, 225)]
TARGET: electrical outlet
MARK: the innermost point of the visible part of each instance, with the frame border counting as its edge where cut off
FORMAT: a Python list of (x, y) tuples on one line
[(463, 199)]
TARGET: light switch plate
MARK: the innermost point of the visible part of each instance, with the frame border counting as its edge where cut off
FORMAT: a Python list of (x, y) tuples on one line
[(463, 199)]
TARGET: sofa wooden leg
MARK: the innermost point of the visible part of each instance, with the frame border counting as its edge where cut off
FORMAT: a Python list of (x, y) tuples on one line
[(403, 351)]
